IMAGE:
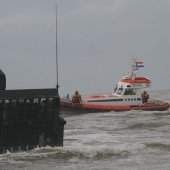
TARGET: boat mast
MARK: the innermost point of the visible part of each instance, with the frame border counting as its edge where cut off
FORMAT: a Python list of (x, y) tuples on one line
[(56, 53), (134, 69)]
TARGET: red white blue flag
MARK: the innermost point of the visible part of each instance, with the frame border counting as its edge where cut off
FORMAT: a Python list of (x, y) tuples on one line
[(139, 64)]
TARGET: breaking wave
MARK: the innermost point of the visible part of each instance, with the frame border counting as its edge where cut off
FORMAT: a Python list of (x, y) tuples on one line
[(26, 158), (83, 153)]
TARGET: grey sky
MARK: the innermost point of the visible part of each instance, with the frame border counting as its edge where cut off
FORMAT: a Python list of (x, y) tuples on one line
[(96, 42)]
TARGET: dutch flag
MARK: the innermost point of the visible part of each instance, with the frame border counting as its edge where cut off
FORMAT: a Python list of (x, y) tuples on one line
[(139, 64)]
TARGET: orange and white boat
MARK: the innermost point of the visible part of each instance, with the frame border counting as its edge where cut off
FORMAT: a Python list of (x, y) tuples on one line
[(126, 96)]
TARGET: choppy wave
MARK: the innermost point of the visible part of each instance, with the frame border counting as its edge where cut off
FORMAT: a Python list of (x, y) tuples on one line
[(145, 125), (158, 145), (166, 113)]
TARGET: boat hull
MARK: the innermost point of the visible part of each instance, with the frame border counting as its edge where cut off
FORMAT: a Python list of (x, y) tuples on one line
[(155, 105)]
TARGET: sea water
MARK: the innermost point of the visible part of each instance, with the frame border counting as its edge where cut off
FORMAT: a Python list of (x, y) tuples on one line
[(133, 140)]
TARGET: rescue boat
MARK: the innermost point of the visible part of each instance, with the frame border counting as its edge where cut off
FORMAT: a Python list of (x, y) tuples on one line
[(127, 95)]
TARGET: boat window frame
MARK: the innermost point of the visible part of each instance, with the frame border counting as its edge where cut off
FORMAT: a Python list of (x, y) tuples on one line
[(119, 91), (115, 89)]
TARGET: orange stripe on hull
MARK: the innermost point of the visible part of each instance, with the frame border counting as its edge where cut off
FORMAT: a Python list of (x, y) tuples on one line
[(106, 107)]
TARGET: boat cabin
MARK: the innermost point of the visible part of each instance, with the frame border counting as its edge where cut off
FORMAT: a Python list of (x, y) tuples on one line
[(128, 86)]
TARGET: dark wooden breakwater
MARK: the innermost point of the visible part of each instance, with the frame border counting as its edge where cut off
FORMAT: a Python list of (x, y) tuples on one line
[(29, 118)]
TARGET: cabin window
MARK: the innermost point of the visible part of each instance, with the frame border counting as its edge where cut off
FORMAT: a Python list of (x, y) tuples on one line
[(128, 99), (119, 91), (130, 92), (139, 99)]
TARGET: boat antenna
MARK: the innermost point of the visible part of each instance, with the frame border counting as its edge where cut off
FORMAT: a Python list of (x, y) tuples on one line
[(56, 53)]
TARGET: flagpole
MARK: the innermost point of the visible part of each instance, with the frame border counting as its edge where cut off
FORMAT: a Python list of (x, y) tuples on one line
[(56, 53)]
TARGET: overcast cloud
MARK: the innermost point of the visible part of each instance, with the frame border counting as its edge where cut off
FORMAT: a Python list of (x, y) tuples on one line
[(97, 40)]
